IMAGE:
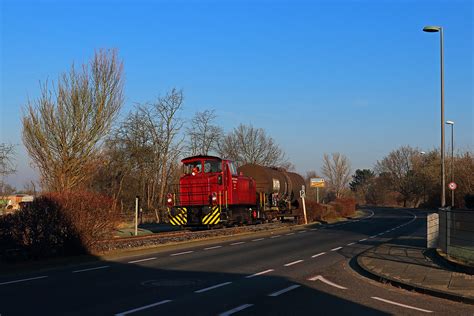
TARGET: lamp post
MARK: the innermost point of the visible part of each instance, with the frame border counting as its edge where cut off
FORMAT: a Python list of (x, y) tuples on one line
[(433, 29), (452, 159)]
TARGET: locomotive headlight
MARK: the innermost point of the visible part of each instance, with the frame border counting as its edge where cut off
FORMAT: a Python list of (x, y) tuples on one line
[(169, 199), (214, 198)]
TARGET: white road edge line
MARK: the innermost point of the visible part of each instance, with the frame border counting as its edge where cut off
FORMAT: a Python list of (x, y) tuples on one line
[(258, 239), (323, 279), (181, 253), (259, 273), (90, 269), (214, 247), (237, 243), (401, 305), (142, 260), (212, 287), (143, 307), (24, 280), (235, 310), (317, 255), (292, 263), (336, 249), (284, 290)]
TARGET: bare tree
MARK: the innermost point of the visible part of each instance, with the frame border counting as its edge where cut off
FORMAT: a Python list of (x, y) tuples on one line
[(7, 165), (337, 171), (247, 144), (63, 128), (203, 134), (400, 166)]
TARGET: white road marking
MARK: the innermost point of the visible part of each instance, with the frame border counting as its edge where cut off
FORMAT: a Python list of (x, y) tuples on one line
[(258, 273), (336, 249), (292, 263), (258, 239), (276, 236), (142, 260), (24, 280), (235, 310), (373, 236), (215, 247), (289, 234), (212, 287), (285, 290), (317, 255), (323, 279), (181, 253), (237, 243), (363, 239), (350, 244), (313, 229), (90, 269), (401, 305), (303, 231), (143, 307)]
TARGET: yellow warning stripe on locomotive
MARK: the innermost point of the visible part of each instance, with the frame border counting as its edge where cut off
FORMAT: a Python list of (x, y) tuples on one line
[(213, 217), (180, 218)]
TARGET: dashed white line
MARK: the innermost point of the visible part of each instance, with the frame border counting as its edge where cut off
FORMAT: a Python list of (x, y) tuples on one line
[(235, 310), (90, 269), (350, 244), (401, 305), (336, 249), (373, 236), (276, 236), (302, 231), (214, 247), (259, 273), (181, 253), (313, 229), (363, 239), (289, 234), (142, 260), (292, 263), (143, 307), (24, 280), (284, 290), (212, 287), (258, 239), (317, 255), (237, 243)]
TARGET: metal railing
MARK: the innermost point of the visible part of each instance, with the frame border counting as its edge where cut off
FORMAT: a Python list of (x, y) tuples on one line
[(456, 234)]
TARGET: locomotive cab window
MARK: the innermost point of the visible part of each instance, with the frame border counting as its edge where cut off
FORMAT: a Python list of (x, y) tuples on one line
[(192, 167), (233, 169), (212, 166)]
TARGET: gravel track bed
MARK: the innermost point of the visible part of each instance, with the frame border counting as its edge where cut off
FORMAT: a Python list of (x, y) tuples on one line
[(165, 238)]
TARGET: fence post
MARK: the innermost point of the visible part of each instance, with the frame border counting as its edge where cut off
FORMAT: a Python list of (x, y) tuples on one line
[(137, 199)]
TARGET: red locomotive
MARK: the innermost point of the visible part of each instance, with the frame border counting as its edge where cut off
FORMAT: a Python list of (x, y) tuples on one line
[(213, 191)]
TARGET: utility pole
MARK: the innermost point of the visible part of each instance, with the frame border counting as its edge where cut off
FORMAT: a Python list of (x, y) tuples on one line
[(137, 202)]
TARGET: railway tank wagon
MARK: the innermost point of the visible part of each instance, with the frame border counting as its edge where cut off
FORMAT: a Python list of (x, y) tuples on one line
[(277, 190), (213, 191)]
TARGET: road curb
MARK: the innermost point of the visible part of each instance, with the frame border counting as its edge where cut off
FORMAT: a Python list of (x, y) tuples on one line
[(411, 286)]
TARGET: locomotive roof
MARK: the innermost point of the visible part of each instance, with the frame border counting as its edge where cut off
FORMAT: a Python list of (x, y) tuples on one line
[(200, 157)]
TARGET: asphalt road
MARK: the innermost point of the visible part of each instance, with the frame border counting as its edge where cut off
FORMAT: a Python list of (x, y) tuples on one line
[(291, 272)]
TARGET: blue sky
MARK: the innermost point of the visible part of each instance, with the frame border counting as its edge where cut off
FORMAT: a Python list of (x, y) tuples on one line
[(356, 77)]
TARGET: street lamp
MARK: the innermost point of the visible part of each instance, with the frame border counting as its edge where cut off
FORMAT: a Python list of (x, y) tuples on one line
[(433, 29), (452, 159)]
